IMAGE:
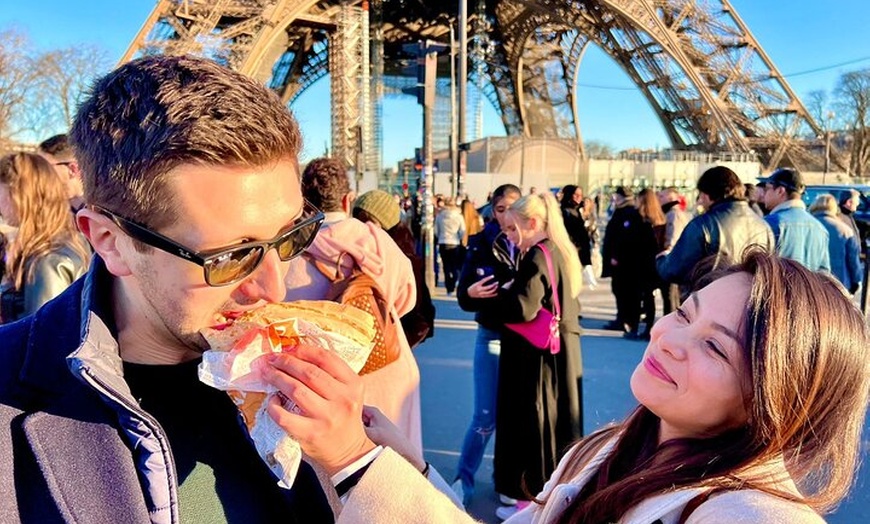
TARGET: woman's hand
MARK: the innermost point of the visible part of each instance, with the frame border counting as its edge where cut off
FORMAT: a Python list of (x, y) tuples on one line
[(384, 433), (328, 394), (486, 287)]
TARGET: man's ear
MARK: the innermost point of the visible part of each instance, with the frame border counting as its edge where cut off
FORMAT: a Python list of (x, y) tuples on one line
[(347, 202), (106, 239), (74, 170)]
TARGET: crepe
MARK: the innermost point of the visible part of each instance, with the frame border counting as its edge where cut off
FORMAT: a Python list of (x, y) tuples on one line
[(231, 363)]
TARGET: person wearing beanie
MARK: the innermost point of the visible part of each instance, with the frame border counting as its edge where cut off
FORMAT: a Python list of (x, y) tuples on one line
[(378, 207), (727, 227)]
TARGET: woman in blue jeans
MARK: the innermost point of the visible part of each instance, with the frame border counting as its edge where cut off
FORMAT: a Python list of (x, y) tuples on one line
[(489, 253)]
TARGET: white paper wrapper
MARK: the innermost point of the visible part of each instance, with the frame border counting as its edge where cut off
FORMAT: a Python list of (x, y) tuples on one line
[(236, 370)]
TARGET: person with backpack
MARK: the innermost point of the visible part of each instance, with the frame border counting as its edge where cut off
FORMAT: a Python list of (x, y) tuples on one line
[(379, 208), (343, 248)]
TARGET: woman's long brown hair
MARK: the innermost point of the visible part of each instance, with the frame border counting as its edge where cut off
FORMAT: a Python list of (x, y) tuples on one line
[(44, 218), (804, 342)]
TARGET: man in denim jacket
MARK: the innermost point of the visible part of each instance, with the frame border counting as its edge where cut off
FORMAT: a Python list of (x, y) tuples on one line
[(799, 236)]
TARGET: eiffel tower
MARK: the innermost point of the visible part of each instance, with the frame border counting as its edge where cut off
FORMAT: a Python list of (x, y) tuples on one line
[(707, 78)]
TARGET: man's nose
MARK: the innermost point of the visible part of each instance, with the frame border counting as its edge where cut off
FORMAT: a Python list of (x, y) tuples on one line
[(267, 281)]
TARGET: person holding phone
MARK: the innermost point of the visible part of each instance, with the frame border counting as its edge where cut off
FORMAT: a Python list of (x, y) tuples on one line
[(490, 256)]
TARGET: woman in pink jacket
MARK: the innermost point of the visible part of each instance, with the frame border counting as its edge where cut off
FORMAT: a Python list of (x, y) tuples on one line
[(752, 401)]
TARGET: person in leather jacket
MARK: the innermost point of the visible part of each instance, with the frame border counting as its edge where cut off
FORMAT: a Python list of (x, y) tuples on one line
[(723, 232), (48, 253)]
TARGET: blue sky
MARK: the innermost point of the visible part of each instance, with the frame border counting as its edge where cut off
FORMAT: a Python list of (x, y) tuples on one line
[(798, 36)]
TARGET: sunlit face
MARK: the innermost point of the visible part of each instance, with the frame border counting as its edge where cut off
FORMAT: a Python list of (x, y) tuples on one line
[(693, 375), (774, 196), (7, 206), (218, 206), (521, 232), (500, 207)]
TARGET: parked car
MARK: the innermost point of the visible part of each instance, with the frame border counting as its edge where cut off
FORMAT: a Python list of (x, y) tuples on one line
[(862, 214)]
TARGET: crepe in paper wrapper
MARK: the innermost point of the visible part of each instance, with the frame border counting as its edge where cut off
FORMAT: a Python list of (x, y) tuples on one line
[(231, 364)]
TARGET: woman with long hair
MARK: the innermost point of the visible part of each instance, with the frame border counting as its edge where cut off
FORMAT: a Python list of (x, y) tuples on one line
[(752, 399), (539, 393), (48, 253), (650, 244), (473, 223)]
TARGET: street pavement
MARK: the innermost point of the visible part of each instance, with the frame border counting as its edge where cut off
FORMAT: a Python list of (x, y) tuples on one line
[(608, 360)]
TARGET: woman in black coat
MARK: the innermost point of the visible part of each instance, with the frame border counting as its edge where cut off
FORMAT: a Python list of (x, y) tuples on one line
[(539, 402)]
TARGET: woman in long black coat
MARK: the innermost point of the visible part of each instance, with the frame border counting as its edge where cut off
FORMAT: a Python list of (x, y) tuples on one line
[(539, 411)]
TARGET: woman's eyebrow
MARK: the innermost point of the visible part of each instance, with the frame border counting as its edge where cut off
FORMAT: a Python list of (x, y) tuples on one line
[(719, 327)]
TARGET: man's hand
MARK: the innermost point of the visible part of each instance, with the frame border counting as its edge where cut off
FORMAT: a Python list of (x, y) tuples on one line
[(328, 423)]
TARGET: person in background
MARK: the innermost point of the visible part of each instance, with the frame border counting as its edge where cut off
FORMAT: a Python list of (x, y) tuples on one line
[(376, 206), (575, 224), (48, 253), (539, 399), (721, 234), (473, 222), (59, 154), (843, 246), (489, 253), (650, 244), (848, 205), (675, 221), (342, 244), (751, 198), (450, 230), (715, 437), (621, 262), (798, 235)]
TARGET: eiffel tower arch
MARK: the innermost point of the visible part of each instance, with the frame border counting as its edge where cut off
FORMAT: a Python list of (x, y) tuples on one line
[(702, 71)]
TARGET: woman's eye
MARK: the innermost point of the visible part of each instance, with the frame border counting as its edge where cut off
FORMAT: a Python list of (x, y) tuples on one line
[(715, 348), (682, 314)]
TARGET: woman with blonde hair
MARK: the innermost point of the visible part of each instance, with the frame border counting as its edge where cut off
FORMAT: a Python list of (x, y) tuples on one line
[(651, 242), (539, 404), (47, 253), (752, 399), (473, 223)]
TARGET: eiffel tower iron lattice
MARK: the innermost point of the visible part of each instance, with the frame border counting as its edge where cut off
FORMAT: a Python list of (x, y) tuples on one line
[(695, 61)]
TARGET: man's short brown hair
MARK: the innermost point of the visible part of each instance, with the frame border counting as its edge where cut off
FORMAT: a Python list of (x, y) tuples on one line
[(156, 113), (325, 183)]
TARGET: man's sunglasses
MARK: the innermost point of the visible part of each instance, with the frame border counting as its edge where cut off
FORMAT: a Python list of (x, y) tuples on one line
[(225, 266)]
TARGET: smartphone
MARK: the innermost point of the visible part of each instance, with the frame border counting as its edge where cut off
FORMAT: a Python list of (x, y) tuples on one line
[(483, 272)]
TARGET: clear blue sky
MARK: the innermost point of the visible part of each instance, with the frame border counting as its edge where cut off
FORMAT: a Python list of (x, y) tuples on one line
[(798, 36)]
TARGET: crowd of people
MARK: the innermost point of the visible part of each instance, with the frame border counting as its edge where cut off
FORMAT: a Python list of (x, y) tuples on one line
[(159, 216)]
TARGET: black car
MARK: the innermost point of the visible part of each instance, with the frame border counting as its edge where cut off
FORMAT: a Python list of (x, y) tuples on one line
[(862, 214)]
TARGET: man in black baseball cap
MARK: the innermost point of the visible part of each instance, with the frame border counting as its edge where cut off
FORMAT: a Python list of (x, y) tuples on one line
[(787, 178), (798, 234)]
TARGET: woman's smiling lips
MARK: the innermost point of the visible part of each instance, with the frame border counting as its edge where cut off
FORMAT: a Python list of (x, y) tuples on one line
[(655, 369)]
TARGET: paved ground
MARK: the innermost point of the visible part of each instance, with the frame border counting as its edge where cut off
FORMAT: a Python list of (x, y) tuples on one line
[(446, 373)]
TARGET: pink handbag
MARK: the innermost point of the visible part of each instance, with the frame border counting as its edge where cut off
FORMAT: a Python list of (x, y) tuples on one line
[(543, 330)]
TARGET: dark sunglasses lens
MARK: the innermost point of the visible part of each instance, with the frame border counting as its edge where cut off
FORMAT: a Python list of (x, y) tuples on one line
[(233, 266), (297, 240)]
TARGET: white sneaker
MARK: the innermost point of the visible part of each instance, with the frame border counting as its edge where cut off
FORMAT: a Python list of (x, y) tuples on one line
[(505, 512), (506, 501)]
